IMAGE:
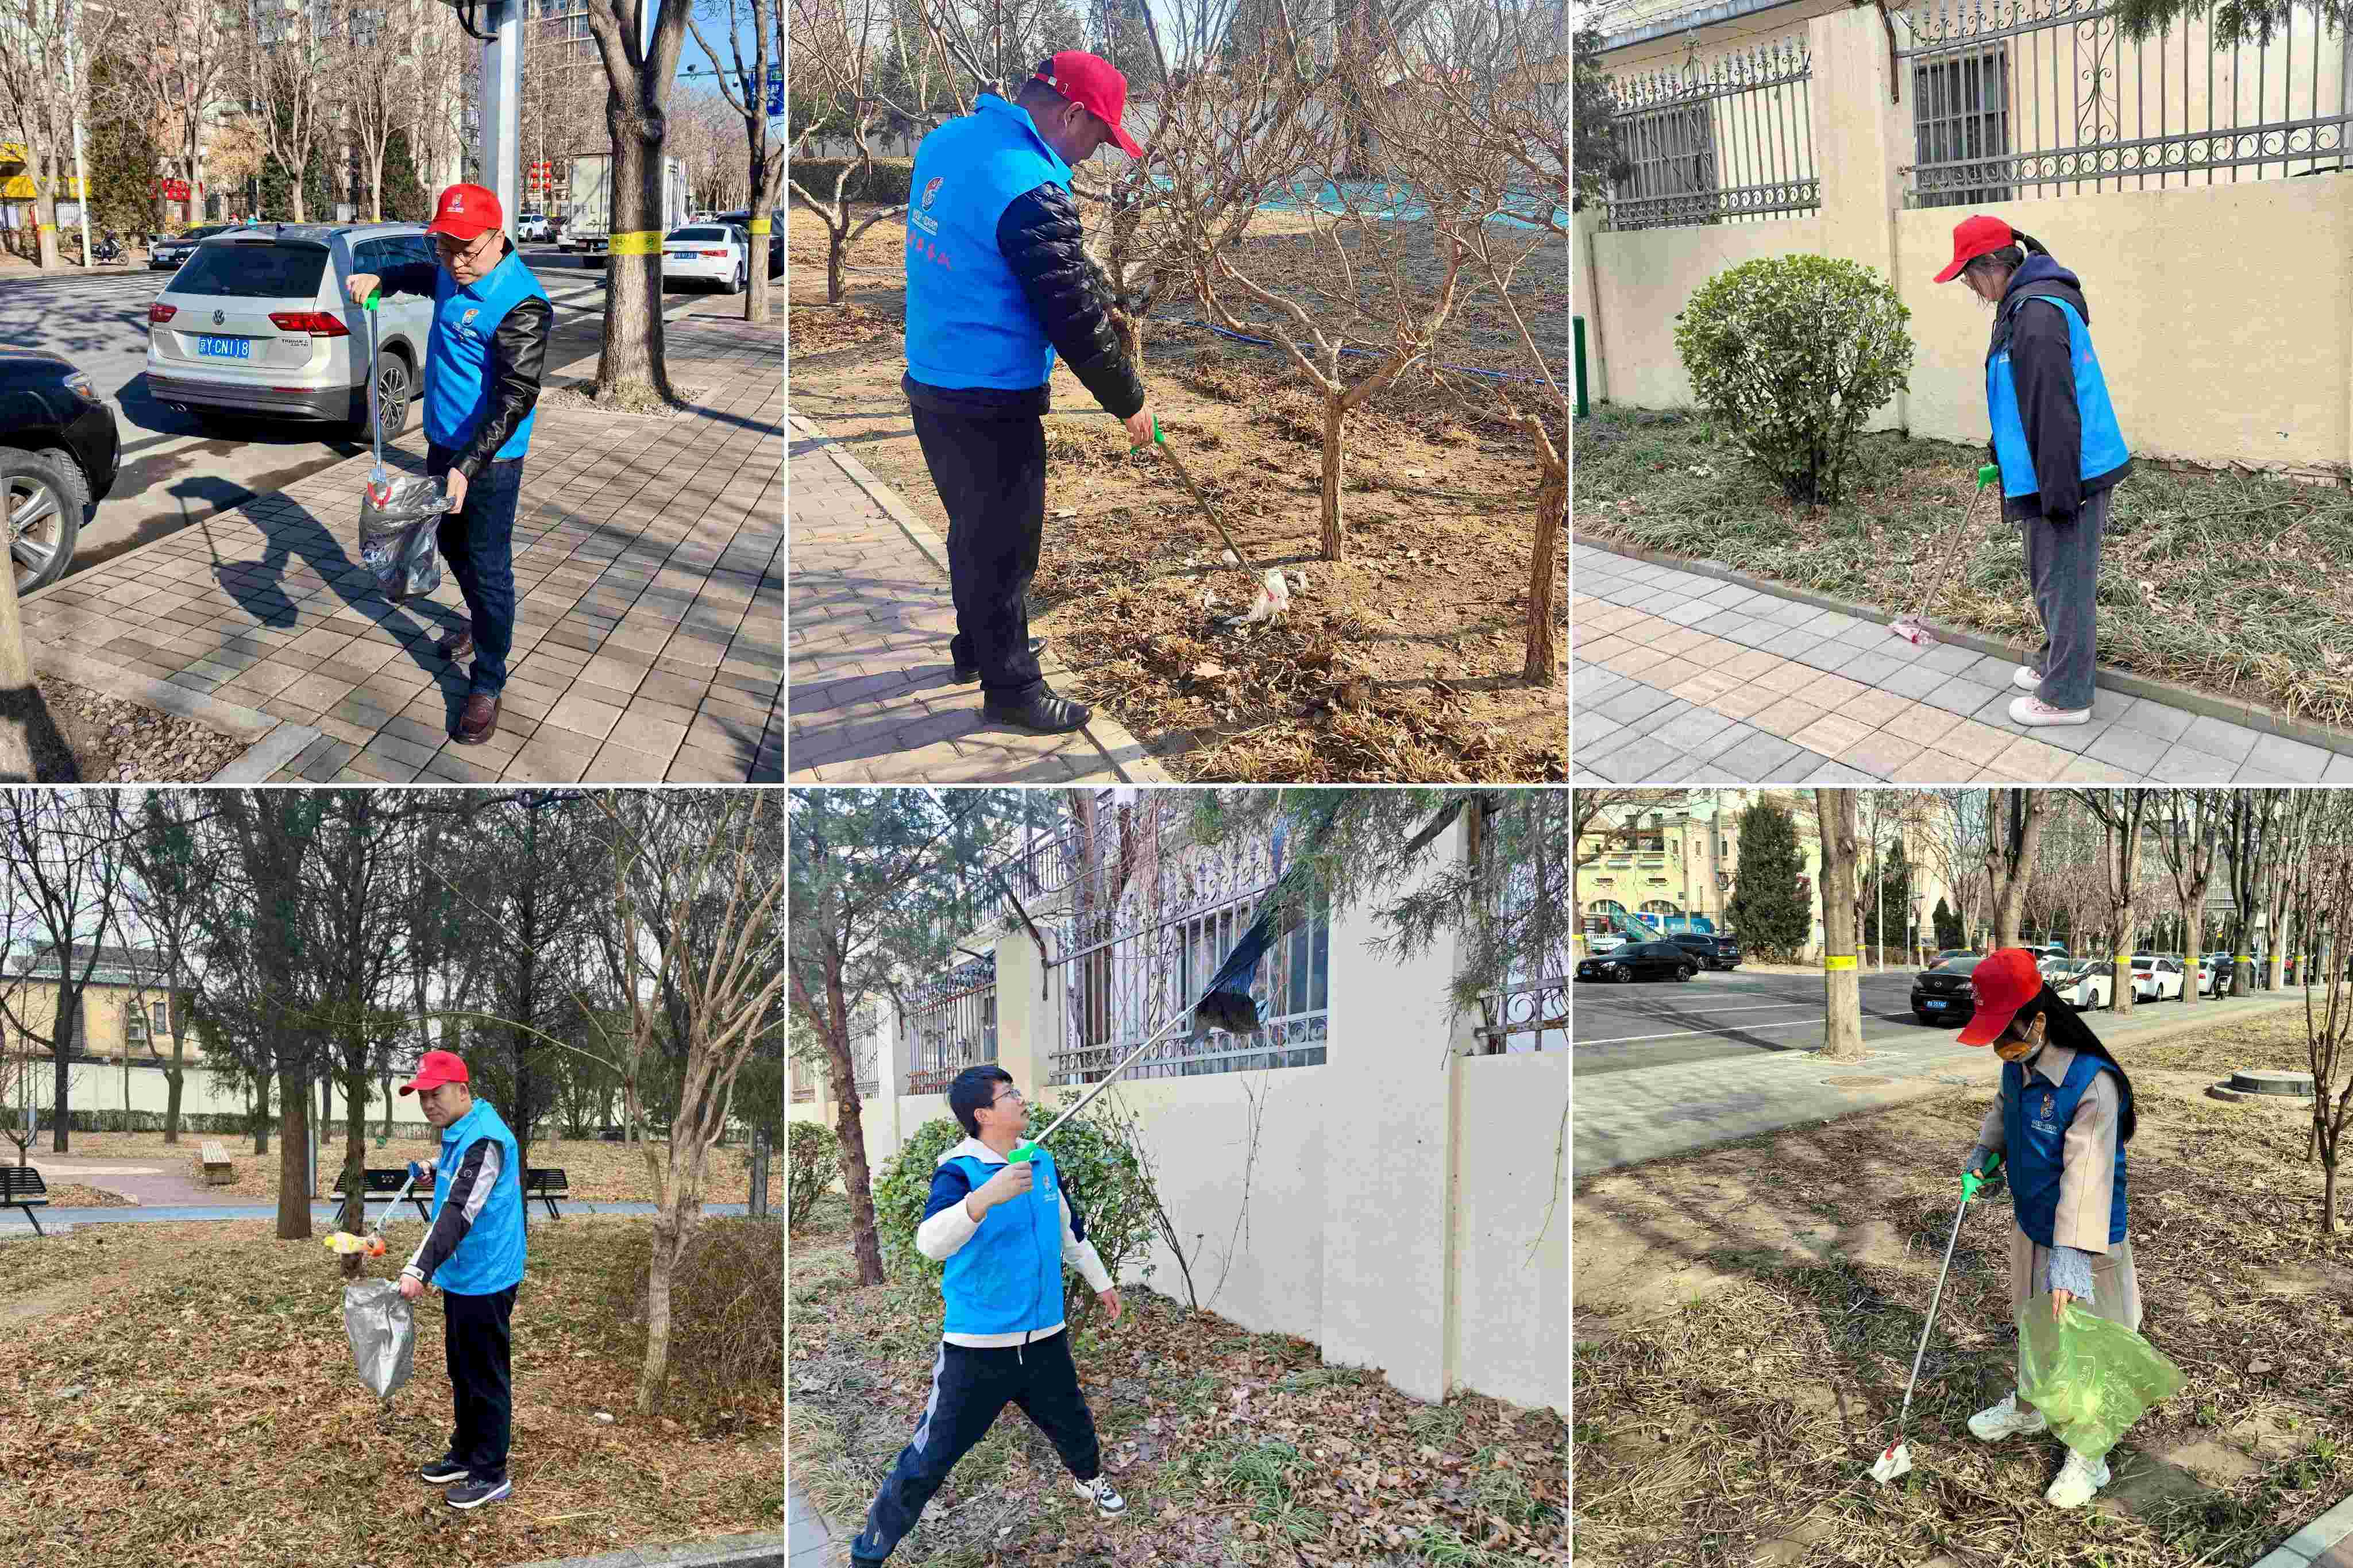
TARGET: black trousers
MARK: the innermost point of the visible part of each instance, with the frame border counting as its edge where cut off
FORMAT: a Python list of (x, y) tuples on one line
[(968, 1388), (481, 1385), (991, 476)]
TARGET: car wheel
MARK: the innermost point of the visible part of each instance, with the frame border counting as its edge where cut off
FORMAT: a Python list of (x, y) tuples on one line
[(736, 284), (1684, 972), (44, 497), (395, 391)]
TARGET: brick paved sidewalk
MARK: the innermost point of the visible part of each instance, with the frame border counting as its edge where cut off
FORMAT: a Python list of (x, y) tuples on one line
[(649, 639), (873, 697), (1680, 676)]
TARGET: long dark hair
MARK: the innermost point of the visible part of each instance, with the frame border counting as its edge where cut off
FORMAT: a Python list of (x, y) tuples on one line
[(2065, 1028)]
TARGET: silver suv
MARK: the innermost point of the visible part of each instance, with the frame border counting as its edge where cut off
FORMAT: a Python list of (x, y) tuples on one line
[(256, 323)]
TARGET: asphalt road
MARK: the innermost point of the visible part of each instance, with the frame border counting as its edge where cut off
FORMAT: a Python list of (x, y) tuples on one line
[(1719, 1015), (175, 471)]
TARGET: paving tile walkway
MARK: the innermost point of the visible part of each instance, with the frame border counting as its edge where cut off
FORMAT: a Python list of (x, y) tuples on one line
[(807, 1537), (649, 641), (1680, 676), (873, 698)]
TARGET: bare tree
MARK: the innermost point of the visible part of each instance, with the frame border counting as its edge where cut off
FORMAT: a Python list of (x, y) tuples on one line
[(174, 65), (2187, 824), (2016, 818), (638, 75), (291, 78), (844, 52), (746, 94), (2323, 895), (1841, 986), (2123, 816), (379, 97), (1600, 821), (62, 882), (36, 107)]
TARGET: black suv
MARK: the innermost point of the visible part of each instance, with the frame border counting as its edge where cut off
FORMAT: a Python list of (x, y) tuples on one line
[(1942, 995), (1713, 952), (58, 451), (1640, 961)]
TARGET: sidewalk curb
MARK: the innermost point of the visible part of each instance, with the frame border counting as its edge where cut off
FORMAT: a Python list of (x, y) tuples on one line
[(270, 742), (760, 1550), (2254, 716), (1122, 750), (2298, 1550)]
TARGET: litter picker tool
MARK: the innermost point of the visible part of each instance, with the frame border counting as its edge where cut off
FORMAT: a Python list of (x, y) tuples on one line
[(1897, 1457), (398, 517), (1273, 593), (371, 1243), (1913, 629)]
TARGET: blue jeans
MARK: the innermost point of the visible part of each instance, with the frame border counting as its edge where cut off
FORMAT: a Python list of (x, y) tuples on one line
[(478, 541)]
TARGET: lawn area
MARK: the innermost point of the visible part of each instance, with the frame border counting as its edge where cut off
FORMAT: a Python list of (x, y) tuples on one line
[(1747, 1317), (597, 1171), (2231, 582), (185, 1393), (1232, 1448)]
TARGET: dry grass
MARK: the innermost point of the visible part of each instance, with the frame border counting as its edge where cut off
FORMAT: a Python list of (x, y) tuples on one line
[(1747, 1319), (2231, 582), (74, 1195), (216, 1390), (597, 1171)]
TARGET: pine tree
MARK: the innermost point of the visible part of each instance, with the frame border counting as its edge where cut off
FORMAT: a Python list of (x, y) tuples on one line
[(1947, 924), (404, 194), (1768, 909)]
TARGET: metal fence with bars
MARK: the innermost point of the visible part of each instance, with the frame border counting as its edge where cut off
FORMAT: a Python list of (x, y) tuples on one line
[(2018, 98), (1151, 916), (865, 1050), (949, 1024), (1533, 1016), (1729, 142)]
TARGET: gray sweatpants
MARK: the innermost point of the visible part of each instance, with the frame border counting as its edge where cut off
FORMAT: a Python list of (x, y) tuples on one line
[(2062, 561)]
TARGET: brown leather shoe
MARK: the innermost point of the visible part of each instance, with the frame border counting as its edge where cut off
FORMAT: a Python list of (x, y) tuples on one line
[(457, 644), (479, 720)]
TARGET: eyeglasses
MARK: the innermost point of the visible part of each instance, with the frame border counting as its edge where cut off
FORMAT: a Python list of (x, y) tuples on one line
[(1008, 1094)]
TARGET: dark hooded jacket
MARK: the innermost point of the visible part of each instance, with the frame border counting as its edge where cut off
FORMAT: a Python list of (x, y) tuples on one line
[(2042, 368)]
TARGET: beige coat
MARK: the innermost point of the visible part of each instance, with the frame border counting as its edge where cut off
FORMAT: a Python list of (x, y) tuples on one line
[(2087, 1186)]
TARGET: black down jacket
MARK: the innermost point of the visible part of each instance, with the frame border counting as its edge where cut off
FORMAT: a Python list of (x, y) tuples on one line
[(1041, 240)]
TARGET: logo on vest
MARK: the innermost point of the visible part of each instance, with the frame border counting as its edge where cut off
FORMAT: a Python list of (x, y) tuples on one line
[(2049, 1103), (931, 189)]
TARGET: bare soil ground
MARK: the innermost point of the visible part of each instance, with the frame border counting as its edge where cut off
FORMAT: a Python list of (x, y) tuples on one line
[(1400, 662), (1232, 1448), (184, 1392), (88, 737), (1745, 1320), (597, 1171)]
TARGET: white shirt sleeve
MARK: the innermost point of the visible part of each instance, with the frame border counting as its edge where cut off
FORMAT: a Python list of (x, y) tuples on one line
[(1082, 1255)]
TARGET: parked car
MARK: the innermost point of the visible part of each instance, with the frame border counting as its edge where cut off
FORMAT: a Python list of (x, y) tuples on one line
[(2086, 983), (706, 253), (257, 323), (1605, 941), (742, 218), (1640, 961), (166, 252), (58, 454), (1713, 952), (2156, 978), (536, 227), (1942, 995)]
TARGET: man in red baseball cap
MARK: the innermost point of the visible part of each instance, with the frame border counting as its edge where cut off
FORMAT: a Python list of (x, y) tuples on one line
[(999, 282), (473, 1250), (2065, 1112), (2059, 447), (483, 362)]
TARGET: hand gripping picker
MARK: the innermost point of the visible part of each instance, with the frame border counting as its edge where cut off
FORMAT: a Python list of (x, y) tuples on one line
[(1898, 1459)]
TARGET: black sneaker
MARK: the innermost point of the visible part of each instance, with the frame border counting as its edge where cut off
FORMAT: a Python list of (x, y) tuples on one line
[(965, 674), (1041, 710), (474, 1494), (444, 1470)]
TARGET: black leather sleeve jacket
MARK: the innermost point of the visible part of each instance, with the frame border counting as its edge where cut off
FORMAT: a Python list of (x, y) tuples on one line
[(518, 360), (1041, 240)]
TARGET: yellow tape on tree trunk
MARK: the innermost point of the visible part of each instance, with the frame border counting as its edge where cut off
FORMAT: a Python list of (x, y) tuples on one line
[(762, 226), (638, 242), (1837, 962)]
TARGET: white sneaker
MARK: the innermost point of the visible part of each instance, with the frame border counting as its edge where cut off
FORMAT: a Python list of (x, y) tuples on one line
[(1098, 1492), (2079, 1477), (2006, 1420), (2033, 713), (2027, 679)]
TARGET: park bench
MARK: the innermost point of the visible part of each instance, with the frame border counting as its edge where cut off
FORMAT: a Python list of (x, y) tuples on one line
[(546, 1184), (218, 1170), (21, 1187), (384, 1185)]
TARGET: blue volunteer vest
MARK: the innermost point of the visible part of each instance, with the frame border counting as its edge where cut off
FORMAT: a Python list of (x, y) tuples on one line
[(2034, 1121), (1008, 1280), (456, 380), (969, 323), (2103, 445), (491, 1258)]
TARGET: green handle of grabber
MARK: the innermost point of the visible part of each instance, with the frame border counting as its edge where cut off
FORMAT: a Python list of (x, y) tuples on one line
[(1158, 439), (1989, 473), (373, 295), (1022, 1153), (1972, 1180)]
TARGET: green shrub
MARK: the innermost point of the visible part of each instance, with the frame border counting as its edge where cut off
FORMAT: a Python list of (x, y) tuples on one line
[(887, 180), (813, 1163), (1098, 1166), (1791, 356)]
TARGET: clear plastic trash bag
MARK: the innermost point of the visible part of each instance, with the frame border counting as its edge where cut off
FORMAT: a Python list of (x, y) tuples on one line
[(2090, 1378), (383, 1331), (398, 521)]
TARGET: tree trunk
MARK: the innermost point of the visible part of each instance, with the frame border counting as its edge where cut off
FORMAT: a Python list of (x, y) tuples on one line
[(856, 1179), (293, 1158), (1542, 665), (837, 242), (1130, 329), (21, 709), (663, 1265), (45, 215), (1334, 542), (633, 360), (1841, 986), (258, 1113), (174, 1078), (68, 1017)]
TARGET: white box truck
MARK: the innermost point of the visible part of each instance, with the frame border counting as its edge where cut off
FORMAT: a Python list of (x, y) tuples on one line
[(589, 225)]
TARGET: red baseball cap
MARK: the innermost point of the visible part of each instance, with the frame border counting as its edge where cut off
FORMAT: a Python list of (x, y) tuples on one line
[(1973, 238), (466, 212), (2004, 981), (438, 1068), (1091, 81)]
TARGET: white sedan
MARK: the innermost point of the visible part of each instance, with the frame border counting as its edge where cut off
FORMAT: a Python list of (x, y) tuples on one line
[(706, 253), (2085, 984), (2156, 979)]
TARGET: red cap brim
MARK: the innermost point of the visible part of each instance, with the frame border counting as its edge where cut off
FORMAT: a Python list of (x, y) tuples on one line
[(1987, 1025), (421, 1081), (1126, 143), (459, 228), (1949, 273)]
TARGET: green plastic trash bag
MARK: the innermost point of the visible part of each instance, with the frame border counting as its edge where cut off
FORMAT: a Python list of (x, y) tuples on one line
[(2090, 1378)]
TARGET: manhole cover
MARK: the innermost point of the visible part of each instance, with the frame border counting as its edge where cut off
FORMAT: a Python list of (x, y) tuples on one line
[(1859, 1080), (2269, 1080)]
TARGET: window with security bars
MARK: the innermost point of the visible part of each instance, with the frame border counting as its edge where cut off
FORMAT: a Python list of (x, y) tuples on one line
[(1674, 178), (1960, 114)]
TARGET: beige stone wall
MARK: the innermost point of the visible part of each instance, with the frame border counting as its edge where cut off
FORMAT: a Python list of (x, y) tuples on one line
[(106, 1018)]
